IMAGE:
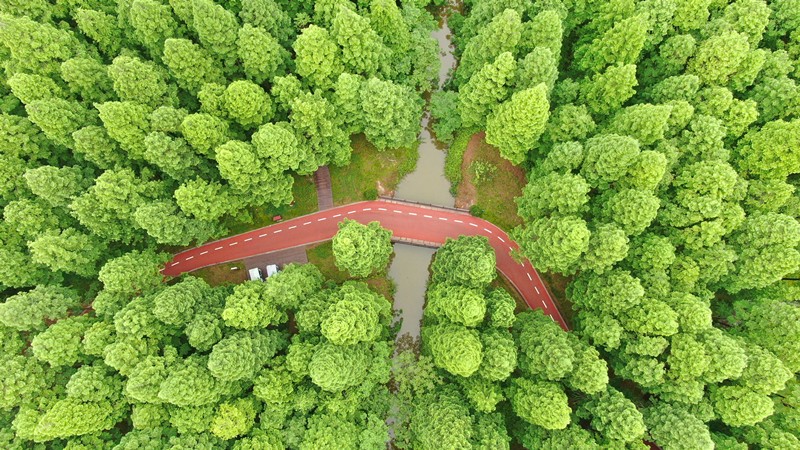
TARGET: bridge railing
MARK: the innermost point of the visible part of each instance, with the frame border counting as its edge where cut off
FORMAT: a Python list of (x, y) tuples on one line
[(417, 242), (423, 205)]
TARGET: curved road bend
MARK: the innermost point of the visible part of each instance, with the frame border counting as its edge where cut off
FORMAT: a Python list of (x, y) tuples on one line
[(413, 223)]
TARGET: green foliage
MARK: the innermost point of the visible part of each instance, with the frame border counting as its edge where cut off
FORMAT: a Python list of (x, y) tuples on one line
[(499, 36), (32, 310), (247, 103), (454, 348), (442, 420), (674, 426), (540, 403), (355, 317), (515, 125), (659, 140), (391, 114), (334, 367), (444, 109), (615, 417), (363, 51), (556, 243), (485, 90), (467, 261), (362, 249), (456, 304), (319, 59)]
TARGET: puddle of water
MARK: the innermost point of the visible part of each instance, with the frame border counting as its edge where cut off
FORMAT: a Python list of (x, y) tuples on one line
[(409, 270)]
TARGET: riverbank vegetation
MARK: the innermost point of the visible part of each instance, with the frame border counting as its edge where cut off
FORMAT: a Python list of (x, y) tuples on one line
[(661, 145)]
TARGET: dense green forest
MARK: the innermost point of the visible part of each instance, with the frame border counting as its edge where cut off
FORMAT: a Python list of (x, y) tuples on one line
[(132, 127), (661, 142)]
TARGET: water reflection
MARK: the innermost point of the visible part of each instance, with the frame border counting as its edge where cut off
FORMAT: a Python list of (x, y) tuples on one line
[(410, 271)]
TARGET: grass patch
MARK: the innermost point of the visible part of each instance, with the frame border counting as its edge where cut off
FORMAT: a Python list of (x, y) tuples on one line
[(370, 169), (321, 255), (223, 274), (496, 194)]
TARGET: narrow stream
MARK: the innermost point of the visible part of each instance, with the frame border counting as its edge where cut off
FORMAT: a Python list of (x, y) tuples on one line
[(426, 184)]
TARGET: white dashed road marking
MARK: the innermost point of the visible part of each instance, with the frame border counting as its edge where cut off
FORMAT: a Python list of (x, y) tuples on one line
[(529, 277), (174, 264), (187, 259), (218, 248), (443, 218), (248, 239), (232, 244), (537, 289), (276, 231), (458, 221), (321, 219), (306, 223), (351, 212), (293, 227), (427, 216), (487, 230), (412, 214), (398, 212), (262, 235), (367, 209), (337, 215), (473, 225), (381, 209), (203, 253), (501, 239)]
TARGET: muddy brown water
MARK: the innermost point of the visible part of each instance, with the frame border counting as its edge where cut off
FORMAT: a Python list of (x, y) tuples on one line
[(426, 184)]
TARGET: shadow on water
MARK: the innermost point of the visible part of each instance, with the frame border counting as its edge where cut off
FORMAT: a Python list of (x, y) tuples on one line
[(409, 270)]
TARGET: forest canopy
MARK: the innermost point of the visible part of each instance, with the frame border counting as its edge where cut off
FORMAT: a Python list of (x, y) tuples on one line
[(129, 128), (660, 142)]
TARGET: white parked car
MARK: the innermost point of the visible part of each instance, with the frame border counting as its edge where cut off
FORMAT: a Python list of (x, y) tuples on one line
[(255, 274)]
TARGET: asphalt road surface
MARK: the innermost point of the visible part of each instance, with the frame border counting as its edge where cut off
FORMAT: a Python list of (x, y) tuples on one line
[(414, 223)]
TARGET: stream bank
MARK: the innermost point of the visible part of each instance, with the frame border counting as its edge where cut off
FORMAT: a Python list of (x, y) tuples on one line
[(427, 184)]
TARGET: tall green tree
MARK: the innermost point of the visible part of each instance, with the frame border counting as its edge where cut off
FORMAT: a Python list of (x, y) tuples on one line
[(515, 126), (362, 249)]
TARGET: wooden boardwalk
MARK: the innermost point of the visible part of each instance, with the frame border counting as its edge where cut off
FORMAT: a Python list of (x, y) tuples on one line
[(322, 180)]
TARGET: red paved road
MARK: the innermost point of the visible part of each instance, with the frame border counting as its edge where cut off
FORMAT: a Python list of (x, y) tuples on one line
[(407, 221)]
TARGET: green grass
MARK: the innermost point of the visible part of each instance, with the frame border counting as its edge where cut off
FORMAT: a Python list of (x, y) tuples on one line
[(496, 196), (368, 167), (222, 274), (321, 255)]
